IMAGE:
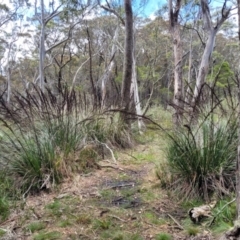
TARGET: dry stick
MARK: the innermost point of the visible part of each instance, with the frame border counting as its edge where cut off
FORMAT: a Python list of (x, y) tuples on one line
[(110, 150), (113, 216), (210, 224), (110, 166), (178, 224)]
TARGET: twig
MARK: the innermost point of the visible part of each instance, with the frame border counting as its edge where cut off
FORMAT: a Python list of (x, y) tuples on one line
[(178, 224), (130, 184), (122, 220), (110, 150), (110, 166)]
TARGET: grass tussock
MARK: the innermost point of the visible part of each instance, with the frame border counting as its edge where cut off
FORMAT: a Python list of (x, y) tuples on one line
[(201, 162), (42, 134)]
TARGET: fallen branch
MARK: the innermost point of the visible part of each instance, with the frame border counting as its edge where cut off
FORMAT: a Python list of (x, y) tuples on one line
[(110, 150), (113, 216), (110, 166), (178, 224)]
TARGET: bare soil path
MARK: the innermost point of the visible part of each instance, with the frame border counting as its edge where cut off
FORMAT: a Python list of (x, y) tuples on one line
[(118, 201)]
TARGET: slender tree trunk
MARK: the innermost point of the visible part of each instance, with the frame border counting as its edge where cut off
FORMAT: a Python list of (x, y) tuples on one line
[(135, 93), (204, 66), (238, 156), (128, 57), (178, 82), (188, 91), (177, 51), (107, 74), (212, 29), (94, 92), (8, 84), (238, 4), (42, 49)]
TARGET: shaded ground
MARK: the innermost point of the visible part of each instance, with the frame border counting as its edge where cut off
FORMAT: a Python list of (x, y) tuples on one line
[(118, 201)]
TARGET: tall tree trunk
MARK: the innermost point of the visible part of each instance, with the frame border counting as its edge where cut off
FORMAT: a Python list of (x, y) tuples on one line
[(8, 84), (204, 66), (109, 69), (238, 5), (188, 91), (128, 57), (94, 91), (42, 49), (212, 29), (238, 156), (177, 51), (135, 96)]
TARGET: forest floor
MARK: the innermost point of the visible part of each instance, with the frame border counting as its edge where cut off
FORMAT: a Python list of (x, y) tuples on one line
[(120, 200)]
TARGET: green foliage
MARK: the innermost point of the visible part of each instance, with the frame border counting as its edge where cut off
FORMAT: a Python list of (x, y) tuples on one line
[(192, 230), (56, 208), (102, 224), (47, 236), (4, 7), (223, 215), (35, 226), (40, 142), (4, 208), (221, 71), (163, 236), (203, 160)]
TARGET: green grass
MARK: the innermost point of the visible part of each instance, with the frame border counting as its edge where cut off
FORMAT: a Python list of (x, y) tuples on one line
[(47, 236), (198, 159), (153, 218), (35, 226), (192, 230), (4, 208), (2, 232), (163, 236)]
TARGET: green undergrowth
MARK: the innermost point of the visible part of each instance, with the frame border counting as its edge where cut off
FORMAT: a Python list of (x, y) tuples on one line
[(202, 161), (127, 201), (49, 139)]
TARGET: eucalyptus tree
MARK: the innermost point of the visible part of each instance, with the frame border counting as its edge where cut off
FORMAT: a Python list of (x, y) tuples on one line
[(44, 16), (211, 26), (174, 14), (11, 16), (48, 13), (130, 101)]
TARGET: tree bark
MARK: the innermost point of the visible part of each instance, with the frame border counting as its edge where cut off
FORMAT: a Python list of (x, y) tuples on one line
[(204, 65), (238, 156), (135, 96), (128, 57), (177, 50), (109, 69), (42, 48)]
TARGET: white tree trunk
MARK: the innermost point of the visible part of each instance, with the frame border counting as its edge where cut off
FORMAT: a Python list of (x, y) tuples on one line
[(177, 51), (204, 66), (212, 29), (107, 74), (178, 82), (135, 96), (188, 91)]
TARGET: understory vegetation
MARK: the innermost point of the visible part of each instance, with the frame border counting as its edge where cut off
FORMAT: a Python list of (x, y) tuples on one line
[(46, 140), (202, 161)]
